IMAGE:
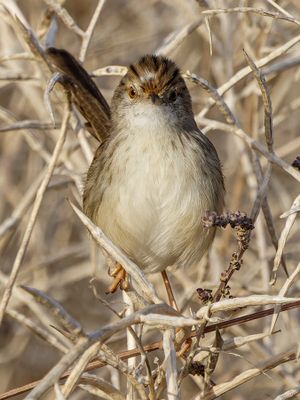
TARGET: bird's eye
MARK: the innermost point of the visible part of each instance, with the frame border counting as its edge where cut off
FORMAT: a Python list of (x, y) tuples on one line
[(172, 95), (132, 92)]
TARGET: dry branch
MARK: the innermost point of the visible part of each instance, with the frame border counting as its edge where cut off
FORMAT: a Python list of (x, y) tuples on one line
[(158, 345)]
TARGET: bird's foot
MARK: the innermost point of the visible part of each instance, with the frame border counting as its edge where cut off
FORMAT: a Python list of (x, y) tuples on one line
[(121, 279)]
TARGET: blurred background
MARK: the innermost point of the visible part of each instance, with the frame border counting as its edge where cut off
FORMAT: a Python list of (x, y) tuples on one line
[(59, 259)]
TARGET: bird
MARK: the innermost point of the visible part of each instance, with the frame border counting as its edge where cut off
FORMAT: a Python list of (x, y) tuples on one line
[(155, 174)]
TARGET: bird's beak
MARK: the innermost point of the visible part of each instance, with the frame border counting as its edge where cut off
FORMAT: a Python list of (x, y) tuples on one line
[(154, 98)]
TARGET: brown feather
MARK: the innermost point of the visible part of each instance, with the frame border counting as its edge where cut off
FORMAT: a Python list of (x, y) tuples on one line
[(85, 94)]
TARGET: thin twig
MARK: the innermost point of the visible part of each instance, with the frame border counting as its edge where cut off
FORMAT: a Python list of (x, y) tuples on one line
[(282, 292), (291, 218), (244, 72), (78, 369), (90, 30), (174, 39), (67, 321), (289, 394), (33, 215), (28, 125), (64, 16), (245, 376), (253, 144), (259, 11), (40, 332)]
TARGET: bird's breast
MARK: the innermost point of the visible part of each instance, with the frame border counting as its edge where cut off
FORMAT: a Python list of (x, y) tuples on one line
[(156, 196)]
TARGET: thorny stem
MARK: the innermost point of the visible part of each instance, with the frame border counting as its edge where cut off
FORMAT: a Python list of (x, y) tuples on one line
[(242, 226)]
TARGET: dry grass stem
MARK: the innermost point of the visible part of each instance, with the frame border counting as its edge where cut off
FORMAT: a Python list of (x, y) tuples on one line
[(37, 330), (290, 220), (249, 374), (102, 387), (65, 16), (90, 30), (33, 215), (79, 368), (244, 72), (289, 394), (259, 11), (67, 321), (232, 304), (288, 283), (170, 362), (252, 143), (58, 393)]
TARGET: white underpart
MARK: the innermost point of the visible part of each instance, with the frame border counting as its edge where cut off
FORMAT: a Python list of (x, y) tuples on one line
[(156, 211)]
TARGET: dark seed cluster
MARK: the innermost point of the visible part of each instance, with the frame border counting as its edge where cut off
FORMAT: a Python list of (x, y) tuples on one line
[(296, 163), (234, 219)]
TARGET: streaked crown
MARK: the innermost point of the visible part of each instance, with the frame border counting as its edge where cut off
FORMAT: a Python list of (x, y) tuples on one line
[(154, 74)]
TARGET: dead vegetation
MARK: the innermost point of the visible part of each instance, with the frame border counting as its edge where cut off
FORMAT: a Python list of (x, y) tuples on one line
[(236, 334)]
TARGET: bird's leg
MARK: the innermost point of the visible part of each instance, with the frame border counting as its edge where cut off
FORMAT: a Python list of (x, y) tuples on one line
[(121, 279), (169, 290), (183, 340), (185, 348)]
